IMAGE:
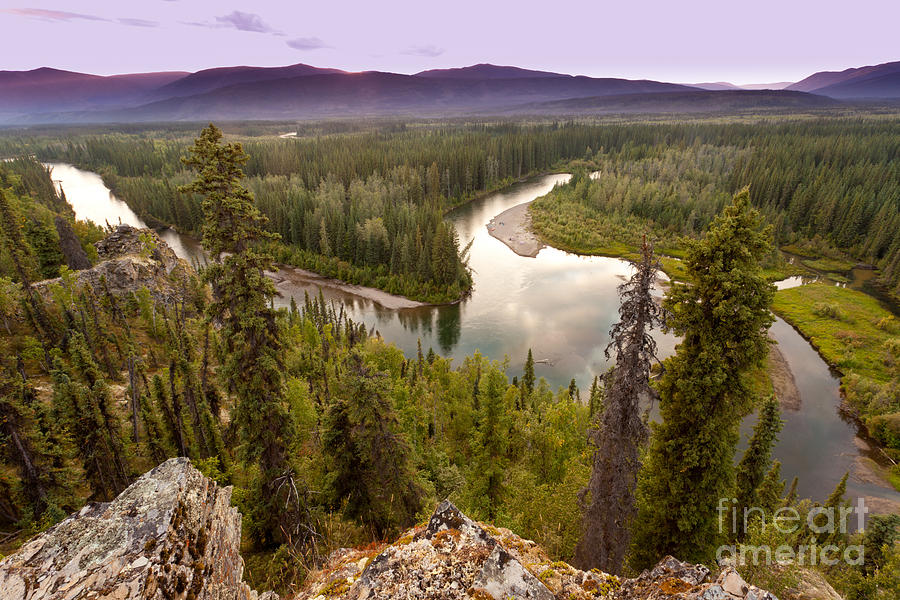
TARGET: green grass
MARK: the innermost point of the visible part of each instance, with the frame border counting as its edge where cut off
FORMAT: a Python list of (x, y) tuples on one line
[(894, 477), (830, 265), (848, 337)]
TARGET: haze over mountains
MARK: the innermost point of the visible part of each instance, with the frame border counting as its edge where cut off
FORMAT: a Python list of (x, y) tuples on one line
[(302, 91)]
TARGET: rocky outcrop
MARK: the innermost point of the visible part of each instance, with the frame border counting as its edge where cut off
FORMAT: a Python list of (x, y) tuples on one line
[(171, 535), (454, 557), (131, 259)]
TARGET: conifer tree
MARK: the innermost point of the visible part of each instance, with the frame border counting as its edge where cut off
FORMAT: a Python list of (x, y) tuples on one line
[(83, 402), (791, 496), (722, 314), (242, 296), (369, 468), (755, 463), (24, 264), (528, 375), (595, 404), (489, 468), (620, 433), (20, 445), (768, 494)]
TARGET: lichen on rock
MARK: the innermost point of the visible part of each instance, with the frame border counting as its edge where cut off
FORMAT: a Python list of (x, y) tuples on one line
[(171, 535), (455, 557)]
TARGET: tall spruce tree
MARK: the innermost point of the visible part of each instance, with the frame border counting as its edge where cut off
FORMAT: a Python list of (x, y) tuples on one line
[(722, 314), (619, 432), (491, 443), (528, 375), (233, 230), (756, 461), (370, 473)]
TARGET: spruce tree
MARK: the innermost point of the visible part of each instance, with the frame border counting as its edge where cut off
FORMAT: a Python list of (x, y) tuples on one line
[(619, 432), (369, 470), (722, 314), (490, 443), (528, 375), (768, 494), (755, 463), (791, 496), (233, 231), (595, 403), (22, 445), (83, 402)]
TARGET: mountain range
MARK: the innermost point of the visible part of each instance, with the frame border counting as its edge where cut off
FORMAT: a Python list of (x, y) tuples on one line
[(302, 91)]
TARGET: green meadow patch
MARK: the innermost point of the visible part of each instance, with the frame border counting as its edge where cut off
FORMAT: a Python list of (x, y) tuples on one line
[(856, 334)]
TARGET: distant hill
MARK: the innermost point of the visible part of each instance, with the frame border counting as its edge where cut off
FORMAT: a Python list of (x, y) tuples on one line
[(486, 71), (717, 85), (47, 89), (724, 85), (377, 93), (697, 101), (303, 91), (779, 85), (361, 94), (876, 81), (211, 79)]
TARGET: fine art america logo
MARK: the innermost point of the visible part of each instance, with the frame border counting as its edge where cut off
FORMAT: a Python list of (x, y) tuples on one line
[(822, 528)]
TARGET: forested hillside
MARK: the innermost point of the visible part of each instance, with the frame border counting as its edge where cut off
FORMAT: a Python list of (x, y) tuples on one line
[(49, 237), (829, 183), (830, 188)]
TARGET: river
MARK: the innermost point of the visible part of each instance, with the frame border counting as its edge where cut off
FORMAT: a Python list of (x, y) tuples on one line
[(561, 306)]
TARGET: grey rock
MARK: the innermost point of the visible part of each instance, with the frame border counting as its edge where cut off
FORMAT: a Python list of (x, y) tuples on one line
[(171, 534), (131, 259)]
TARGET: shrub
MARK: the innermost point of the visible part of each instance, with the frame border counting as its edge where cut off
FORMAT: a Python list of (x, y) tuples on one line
[(828, 310)]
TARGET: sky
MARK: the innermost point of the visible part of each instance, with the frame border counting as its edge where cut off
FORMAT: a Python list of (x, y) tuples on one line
[(690, 41)]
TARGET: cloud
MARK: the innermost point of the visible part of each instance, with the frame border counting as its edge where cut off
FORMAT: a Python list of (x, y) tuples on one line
[(51, 15), (424, 50), (245, 22), (66, 17), (138, 22), (306, 43)]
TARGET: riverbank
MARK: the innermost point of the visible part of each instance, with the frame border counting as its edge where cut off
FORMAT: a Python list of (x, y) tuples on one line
[(289, 280), (784, 385), (513, 228), (860, 338)]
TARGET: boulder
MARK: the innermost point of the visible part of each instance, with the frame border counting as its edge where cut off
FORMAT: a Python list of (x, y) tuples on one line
[(131, 259), (172, 534)]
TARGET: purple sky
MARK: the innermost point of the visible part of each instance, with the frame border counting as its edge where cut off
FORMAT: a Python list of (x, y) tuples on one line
[(684, 41)]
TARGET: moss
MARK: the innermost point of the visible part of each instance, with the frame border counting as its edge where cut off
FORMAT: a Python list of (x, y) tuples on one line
[(335, 587), (479, 594), (445, 535)]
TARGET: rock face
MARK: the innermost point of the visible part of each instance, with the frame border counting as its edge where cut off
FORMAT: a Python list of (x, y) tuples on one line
[(453, 557), (171, 535), (131, 259)]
